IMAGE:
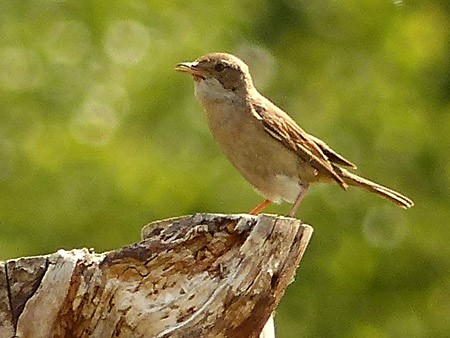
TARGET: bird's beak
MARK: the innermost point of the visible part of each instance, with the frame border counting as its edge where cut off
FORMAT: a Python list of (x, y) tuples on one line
[(191, 68)]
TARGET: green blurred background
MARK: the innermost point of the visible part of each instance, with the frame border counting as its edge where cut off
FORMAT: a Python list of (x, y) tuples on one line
[(99, 136)]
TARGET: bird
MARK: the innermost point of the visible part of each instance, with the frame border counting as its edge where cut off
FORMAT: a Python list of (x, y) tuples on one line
[(273, 153)]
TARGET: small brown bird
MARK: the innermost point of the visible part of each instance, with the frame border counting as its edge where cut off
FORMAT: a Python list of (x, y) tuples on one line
[(277, 157)]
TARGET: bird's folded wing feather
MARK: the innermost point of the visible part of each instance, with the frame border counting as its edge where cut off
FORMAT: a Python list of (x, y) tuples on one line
[(331, 154), (283, 128)]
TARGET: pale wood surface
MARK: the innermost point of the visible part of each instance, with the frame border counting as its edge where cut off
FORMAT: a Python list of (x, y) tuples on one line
[(205, 275)]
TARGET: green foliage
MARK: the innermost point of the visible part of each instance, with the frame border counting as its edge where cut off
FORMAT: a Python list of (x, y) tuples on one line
[(99, 136)]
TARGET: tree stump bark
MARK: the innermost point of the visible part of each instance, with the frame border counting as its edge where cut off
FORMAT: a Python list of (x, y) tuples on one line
[(205, 275)]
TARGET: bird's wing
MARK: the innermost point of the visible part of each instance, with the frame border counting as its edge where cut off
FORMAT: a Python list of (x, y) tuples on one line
[(283, 128), (331, 154)]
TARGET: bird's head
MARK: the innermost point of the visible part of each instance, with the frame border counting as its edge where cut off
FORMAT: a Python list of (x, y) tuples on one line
[(218, 73)]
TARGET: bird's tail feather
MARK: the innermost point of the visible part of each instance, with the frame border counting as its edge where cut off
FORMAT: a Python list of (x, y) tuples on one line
[(389, 194)]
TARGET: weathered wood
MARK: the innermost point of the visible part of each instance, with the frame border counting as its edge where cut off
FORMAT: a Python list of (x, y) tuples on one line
[(205, 275)]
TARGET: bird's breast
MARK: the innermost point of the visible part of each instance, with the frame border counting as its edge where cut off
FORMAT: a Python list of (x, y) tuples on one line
[(267, 164)]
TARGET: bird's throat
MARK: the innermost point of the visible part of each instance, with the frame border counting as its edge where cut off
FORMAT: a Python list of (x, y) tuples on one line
[(210, 90)]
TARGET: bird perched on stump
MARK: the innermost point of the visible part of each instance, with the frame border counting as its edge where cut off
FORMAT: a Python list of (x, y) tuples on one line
[(277, 157)]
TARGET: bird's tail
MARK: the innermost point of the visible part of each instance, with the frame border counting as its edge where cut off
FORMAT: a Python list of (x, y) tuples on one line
[(389, 194)]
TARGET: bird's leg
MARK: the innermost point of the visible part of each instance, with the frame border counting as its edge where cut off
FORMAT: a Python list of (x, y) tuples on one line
[(260, 207), (298, 200)]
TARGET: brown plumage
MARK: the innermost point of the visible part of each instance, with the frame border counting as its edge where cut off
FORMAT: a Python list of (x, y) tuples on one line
[(264, 143)]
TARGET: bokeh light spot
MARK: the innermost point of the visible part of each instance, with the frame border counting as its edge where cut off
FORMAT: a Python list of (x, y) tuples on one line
[(111, 94), (94, 124), (261, 63), (385, 227), (126, 41), (20, 69), (68, 42)]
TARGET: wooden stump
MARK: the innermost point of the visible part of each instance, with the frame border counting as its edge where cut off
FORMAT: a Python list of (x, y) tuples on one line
[(205, 275)]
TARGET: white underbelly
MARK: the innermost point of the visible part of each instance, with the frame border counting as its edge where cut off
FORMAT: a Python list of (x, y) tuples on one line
[(282, 188), (288, 187)]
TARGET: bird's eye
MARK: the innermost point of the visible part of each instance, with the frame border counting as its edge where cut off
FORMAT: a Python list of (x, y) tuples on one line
[(219, 67)]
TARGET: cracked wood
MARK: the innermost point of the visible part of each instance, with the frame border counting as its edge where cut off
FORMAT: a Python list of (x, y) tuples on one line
[(204, 275)]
